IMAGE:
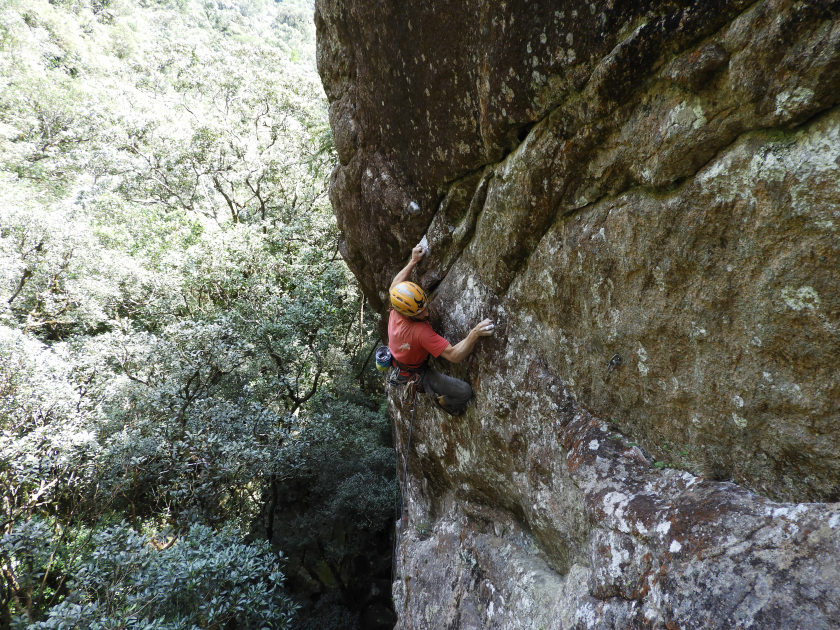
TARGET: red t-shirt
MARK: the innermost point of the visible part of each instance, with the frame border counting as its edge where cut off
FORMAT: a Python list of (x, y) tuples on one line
[(411, 342)]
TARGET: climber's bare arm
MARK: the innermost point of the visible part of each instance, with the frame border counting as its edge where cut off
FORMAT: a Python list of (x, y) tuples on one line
[(416, 256), (462, 349)]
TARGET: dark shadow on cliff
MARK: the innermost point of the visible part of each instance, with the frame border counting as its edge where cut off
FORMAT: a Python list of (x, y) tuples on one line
[(332, 519)]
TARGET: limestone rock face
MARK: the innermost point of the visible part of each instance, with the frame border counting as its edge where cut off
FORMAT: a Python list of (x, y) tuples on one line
[(645, 196)]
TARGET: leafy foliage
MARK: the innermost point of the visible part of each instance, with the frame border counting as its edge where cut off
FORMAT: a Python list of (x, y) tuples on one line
[(206, 579), (340, 499), (180, 343)]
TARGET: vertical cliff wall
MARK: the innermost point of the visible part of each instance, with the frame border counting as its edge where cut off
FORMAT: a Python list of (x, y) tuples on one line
[(652, 184)]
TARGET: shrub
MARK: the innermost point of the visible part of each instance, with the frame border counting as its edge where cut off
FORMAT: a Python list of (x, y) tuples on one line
[(206, 579)]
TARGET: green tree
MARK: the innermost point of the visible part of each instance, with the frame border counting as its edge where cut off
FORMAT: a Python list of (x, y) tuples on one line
[(181, 348)]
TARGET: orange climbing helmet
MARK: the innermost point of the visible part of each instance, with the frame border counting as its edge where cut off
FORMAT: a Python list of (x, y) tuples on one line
[(408, 299)]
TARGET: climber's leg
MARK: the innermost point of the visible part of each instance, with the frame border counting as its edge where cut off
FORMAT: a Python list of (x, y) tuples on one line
[(451, 394)]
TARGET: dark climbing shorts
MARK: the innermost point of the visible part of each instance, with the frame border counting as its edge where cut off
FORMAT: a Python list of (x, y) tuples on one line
[(456, 393)]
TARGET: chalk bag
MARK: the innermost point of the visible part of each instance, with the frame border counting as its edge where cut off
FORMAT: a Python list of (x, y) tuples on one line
[(383, 358)]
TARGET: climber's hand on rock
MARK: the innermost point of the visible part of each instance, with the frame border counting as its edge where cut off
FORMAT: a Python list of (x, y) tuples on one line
[(485, 328), (417, 253)]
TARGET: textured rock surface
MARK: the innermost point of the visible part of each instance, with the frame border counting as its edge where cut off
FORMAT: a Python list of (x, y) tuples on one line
[(655, 180)]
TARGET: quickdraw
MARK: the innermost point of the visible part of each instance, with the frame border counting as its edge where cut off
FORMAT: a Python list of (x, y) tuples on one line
[(411, 389)]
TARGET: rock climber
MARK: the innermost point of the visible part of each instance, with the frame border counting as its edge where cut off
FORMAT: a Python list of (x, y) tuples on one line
[(411, 340)]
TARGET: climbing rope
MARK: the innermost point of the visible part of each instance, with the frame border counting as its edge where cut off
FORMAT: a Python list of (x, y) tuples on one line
[(410, 391)]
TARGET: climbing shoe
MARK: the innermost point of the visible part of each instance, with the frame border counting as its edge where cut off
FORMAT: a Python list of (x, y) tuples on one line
[(452, 411)]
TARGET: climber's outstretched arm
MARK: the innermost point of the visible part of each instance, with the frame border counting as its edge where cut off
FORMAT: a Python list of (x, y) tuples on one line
[(462, 349), (416, 256)]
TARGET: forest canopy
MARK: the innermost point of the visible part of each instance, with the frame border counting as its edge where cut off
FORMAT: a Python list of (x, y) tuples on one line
[(191, 433)]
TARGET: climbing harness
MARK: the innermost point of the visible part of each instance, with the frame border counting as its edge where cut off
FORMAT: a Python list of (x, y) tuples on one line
[(413, 375)]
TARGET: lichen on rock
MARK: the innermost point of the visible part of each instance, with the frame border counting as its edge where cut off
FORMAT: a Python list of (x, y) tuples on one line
[(655, 181)]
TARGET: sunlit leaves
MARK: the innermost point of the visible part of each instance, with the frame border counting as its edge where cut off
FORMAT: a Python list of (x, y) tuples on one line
[(205, 579), (179, 337)]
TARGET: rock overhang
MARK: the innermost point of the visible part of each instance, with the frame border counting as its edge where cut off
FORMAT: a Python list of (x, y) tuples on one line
[(667, 193)]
